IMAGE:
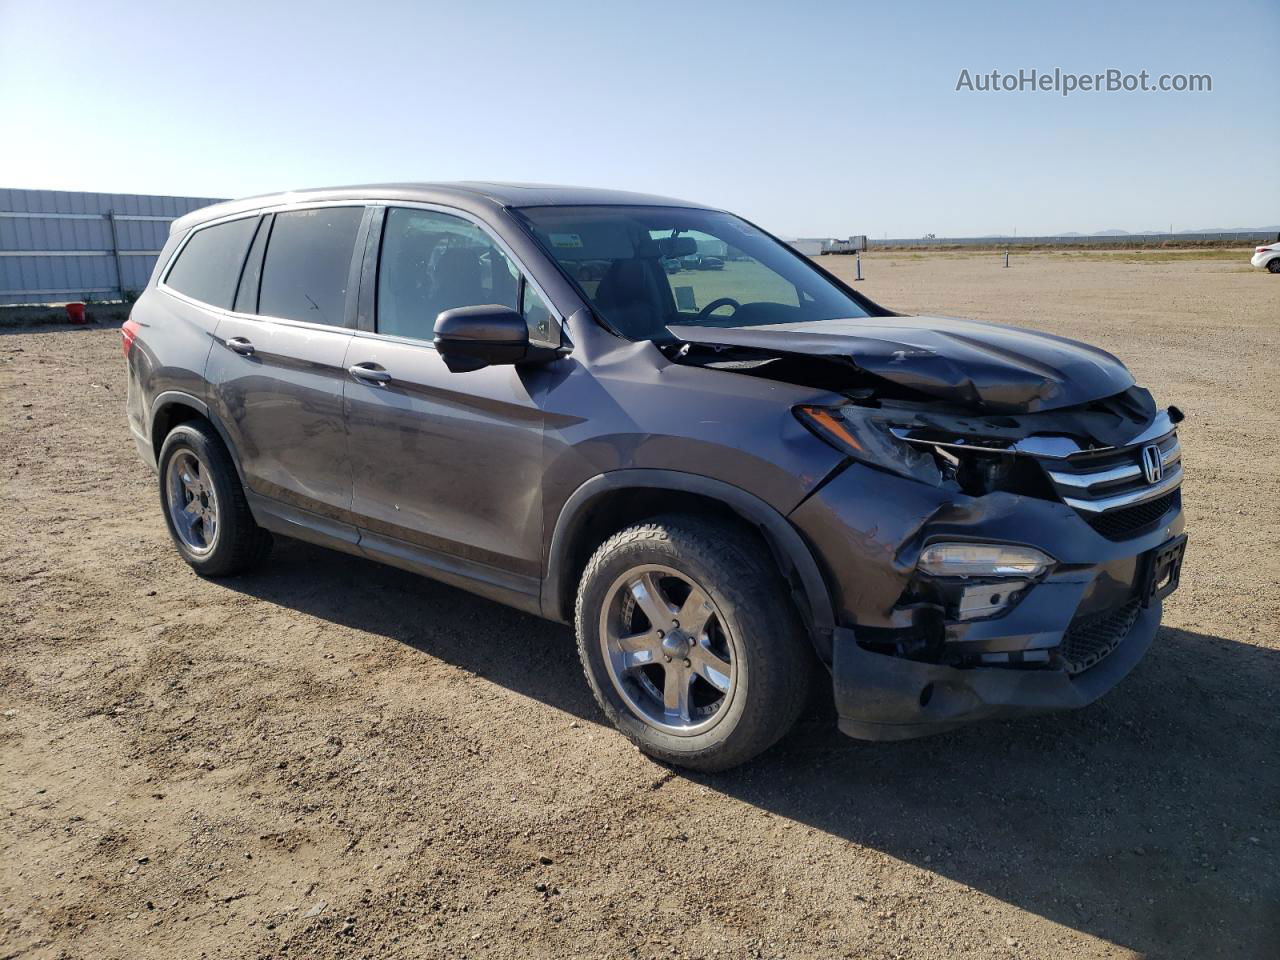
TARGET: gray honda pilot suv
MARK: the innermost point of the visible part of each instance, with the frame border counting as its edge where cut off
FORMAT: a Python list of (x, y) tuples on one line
[(730, 471)]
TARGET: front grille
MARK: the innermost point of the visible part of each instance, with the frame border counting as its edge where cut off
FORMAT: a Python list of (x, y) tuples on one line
[(1091, 638), (1110, 489), (1123, 523)]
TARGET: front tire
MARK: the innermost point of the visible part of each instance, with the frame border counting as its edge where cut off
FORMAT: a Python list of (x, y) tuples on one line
[(204, 505), (690, 643)]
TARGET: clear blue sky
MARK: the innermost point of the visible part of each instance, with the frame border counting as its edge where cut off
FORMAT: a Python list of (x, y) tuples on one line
[(811, 118)]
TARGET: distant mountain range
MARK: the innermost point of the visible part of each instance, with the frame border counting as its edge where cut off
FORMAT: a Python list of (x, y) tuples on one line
[(1126, 233), (1273, 228)]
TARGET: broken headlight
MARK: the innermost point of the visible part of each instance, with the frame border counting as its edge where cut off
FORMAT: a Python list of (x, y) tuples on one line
[(888, 438), (859, 433)]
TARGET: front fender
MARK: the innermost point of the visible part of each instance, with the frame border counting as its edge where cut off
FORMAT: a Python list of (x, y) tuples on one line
[(790, 551)]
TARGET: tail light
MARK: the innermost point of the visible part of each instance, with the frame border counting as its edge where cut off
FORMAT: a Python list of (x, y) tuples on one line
[(128, 334), (1261, 249)]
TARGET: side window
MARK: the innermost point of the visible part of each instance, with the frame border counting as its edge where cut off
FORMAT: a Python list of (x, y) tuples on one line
[(536, 315), (304, 274), (251, 277), (209, 265), (432, 262)]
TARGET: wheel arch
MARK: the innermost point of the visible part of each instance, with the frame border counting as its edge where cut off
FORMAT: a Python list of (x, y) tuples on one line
[(609, 502), (174, 407), (170, 409)]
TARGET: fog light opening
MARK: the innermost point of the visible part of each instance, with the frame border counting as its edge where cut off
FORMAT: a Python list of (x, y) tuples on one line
[(926, 694), (964, 559)]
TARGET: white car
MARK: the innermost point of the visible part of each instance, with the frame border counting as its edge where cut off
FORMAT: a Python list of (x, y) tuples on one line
[(1267, 258)]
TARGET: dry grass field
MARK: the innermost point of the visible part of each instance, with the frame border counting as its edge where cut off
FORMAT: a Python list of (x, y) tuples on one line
[(334, 759)]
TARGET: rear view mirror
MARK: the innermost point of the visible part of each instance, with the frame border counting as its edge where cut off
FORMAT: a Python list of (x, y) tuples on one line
[(469, 338), (677, 246)]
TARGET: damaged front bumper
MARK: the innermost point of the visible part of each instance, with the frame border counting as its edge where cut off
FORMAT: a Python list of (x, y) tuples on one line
[(880, 697), (915, 657)]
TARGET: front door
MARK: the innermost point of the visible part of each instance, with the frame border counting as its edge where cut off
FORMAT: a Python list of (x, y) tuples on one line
[(446, 467), (276, 377)]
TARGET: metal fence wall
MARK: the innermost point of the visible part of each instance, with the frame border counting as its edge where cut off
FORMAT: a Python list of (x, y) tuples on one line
[(59, 245)]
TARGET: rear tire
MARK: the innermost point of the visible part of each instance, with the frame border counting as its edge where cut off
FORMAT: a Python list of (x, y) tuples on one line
[(730, 646), (204, 505), (1273, 265)]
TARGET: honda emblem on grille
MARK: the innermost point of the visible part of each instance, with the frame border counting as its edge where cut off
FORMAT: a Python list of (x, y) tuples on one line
[(1152, 463)]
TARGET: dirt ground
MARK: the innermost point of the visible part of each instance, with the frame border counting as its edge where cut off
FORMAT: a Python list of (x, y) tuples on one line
[(334, 759)]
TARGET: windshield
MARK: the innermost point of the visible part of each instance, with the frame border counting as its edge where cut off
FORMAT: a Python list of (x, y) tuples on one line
[(647, 268)]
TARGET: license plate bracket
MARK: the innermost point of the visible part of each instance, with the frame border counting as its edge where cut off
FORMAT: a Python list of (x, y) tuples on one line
[(1163, 570)]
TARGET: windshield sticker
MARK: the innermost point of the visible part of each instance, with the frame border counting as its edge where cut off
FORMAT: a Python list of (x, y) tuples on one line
[(685, 299), (566, 241)]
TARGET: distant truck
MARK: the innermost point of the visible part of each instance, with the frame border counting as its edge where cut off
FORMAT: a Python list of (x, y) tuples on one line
[(857, 244)]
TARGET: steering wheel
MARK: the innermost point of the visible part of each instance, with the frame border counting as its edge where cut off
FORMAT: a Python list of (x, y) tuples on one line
[(715, 305)]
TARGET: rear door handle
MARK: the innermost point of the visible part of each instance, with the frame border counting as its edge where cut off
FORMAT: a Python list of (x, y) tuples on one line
[(369, 371), (241, 346)]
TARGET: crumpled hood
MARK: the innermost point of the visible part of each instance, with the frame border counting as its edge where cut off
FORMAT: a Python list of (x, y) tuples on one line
[(987, 365)]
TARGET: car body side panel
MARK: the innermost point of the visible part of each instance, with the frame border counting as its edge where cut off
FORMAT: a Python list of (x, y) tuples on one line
[(611, 405), (168, 356), (448, 461), (282, 409), (608, 410)]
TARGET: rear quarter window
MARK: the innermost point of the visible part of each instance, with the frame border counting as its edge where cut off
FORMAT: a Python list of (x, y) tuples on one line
[(208, 266)]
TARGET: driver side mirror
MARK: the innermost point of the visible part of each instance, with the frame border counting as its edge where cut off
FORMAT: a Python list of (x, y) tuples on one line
[(470, 338)]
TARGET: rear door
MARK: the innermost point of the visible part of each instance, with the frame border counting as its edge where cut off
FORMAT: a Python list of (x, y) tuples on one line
[(276, 370), (447, 467)]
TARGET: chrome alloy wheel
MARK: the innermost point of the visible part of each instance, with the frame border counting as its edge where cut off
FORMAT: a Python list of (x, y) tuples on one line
[(192, 503), (668, 650)]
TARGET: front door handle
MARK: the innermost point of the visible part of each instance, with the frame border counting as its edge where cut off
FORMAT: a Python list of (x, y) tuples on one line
[(241, 346), (369, 371)]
